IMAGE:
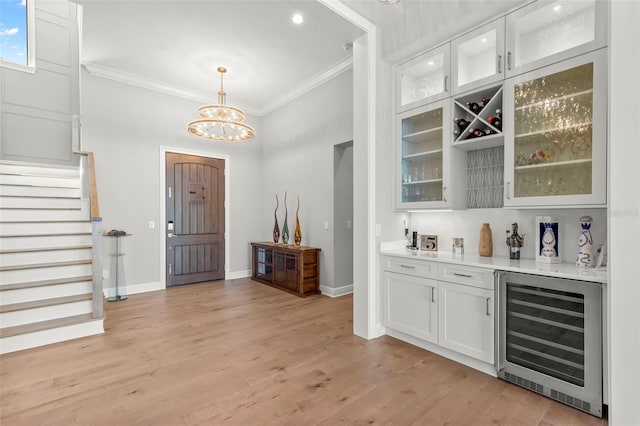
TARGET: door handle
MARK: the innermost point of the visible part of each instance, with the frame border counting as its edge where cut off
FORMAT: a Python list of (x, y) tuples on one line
[(509, 61), (499, 64), (488, 306)]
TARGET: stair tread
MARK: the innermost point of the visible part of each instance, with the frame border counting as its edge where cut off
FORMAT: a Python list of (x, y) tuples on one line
[(37, 249), (45, 302), (43, 283), (47, 325), (45, 265), (44, 235)]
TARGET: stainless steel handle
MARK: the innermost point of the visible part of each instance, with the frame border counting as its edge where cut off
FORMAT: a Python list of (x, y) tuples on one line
[(499, 64), (407, 266), (433, 296), (509, 61), (462, 275), (508, 190), (488, 309), (446, 78), (444, 191)]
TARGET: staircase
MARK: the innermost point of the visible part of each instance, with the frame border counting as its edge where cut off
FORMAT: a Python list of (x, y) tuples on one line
[(47, 245)]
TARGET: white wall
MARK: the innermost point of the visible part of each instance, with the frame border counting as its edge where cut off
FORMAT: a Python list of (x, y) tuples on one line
[(125, 126), (343, 216), (37, 107), (298, 141)]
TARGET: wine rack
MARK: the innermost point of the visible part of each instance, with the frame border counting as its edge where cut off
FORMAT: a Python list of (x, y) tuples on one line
[(481, 111)]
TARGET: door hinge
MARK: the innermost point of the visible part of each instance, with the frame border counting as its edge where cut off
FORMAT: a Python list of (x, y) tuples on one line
[(169, 192)]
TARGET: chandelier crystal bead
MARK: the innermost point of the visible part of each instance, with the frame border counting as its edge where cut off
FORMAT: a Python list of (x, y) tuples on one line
[(220, 121)]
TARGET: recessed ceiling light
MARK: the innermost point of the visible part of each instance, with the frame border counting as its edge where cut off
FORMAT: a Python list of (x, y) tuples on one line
[(484, 39), (557, 8), (430, 63), (297, 19)]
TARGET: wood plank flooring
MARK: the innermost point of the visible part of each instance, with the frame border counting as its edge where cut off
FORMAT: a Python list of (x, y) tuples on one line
[(242, 353)]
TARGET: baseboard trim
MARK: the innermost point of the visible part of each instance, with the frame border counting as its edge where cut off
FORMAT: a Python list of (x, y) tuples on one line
[(238, 274), (336, 292), (134, 289)]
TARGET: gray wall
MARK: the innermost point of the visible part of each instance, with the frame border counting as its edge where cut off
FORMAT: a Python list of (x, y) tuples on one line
[(343, 214), (37, 108), (298, 141), (125, 126)]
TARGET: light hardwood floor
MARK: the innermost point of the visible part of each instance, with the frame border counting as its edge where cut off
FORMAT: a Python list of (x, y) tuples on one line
[(239, 352)]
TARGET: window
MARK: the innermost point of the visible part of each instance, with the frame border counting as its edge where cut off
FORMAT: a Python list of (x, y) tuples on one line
[(16, 33)]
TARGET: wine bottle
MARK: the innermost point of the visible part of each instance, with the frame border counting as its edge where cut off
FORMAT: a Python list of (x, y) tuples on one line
[(461, 123), (474, 107), (495, 122), (499, 114), (475, 133), (485, 101)]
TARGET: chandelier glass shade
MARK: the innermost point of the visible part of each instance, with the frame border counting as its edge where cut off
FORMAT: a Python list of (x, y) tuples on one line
[(221, 122)]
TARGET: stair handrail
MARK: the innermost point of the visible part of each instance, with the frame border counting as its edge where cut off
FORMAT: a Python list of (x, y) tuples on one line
[(89, 182)]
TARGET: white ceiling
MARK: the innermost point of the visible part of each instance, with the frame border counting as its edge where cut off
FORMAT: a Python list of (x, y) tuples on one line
[(177, 45)]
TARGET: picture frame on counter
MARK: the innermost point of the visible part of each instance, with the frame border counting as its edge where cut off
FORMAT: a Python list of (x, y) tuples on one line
[(429, 242)]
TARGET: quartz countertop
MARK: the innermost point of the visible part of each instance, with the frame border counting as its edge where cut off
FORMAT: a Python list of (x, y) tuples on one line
[(527, 266)]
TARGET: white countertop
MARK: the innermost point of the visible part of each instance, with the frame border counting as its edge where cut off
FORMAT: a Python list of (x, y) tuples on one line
[(526, 266)]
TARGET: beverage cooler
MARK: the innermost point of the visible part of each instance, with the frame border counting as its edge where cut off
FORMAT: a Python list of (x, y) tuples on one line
[(550, 337)]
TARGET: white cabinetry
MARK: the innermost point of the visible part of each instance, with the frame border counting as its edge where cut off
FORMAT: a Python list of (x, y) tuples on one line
[(555, 134), (423, 79), (466, 311), (428, 174), (410, 304), (477, 58), (545, 32)]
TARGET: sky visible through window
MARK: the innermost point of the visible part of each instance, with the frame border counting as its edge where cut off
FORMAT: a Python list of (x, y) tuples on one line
[(13, 31)]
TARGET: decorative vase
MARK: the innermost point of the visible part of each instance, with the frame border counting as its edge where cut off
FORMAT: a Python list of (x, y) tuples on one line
[(547, 239), (276, 228), (285, 227), (485, 248), (585, 243), (297, 235)]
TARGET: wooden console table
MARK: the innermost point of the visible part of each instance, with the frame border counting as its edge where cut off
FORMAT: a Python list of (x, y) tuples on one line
[(287, 267)]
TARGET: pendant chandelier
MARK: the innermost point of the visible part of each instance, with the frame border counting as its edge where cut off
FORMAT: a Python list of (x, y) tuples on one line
[(221, 122)]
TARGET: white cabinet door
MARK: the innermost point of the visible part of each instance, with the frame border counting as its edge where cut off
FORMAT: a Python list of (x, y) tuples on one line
[(423, 79), (466, 320), (555, 139), (428, 173), (410, 305), (545, 32), (477, 58)]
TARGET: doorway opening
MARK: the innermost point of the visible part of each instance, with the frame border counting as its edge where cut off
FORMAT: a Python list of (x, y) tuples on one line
[(343, 218)]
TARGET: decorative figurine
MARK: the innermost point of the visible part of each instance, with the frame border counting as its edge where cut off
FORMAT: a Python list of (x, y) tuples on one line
[(276, 228), (297, 234), (585, 244), (515, 241)]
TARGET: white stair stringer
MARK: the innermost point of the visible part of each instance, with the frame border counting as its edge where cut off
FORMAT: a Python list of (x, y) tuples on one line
[(46, 274)]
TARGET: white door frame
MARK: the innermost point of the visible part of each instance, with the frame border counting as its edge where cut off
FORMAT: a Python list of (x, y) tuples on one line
[(163, 206)]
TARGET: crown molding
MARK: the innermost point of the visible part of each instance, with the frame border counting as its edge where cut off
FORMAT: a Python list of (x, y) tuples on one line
[(158, 86)]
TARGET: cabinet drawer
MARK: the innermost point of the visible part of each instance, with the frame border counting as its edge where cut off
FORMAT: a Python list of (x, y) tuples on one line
[(418, 268), (467, 275)]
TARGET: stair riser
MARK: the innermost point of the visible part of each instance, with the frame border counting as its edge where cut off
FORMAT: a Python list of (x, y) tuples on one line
[(37, 170), (38, 191), (46, 337), (40, 203), (28, 316), (26, 215), (28, 258), (16, 243), (40, 181), (23, 295), (39, 274), (82, 226)]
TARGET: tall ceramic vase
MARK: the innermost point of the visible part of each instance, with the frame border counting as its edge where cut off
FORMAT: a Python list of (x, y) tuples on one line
[(485, 248), (276, 228), (297, 235), (285, 227), (585, 243)]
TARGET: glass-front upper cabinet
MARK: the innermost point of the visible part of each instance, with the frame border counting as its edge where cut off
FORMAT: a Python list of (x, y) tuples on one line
[(545, 32), (555, 134), (423, 79), (477, 58), (424, 162)]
